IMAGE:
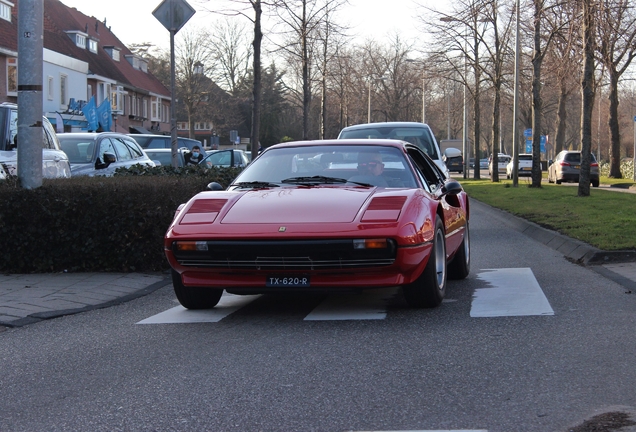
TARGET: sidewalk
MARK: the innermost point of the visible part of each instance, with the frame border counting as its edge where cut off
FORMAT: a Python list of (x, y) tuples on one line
[(26, 299)]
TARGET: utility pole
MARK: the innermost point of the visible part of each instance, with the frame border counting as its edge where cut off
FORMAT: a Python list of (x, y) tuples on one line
[(30, 45)]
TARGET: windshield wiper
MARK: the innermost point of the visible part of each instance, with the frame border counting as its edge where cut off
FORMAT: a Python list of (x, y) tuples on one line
[(255, 185), (315, 179), (322, 180)]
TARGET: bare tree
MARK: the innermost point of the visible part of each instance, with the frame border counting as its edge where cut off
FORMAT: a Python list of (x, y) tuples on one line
[(231, 53), (617, 48), (193, 60), (494, 69), (587, 90)]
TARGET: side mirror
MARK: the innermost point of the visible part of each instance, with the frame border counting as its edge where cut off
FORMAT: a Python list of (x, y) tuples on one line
[(451, 187), (550, 162), (214, 186)]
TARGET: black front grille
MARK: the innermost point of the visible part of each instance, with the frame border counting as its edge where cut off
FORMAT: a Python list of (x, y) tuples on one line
[(286, 255)]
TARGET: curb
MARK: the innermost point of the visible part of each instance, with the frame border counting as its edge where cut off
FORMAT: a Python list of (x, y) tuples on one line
[(40, 316), (574, 250)]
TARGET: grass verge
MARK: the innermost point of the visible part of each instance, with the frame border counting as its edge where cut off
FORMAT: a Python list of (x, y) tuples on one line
[(606, 219)]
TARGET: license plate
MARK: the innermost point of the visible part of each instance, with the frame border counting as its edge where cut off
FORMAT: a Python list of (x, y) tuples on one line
[(577, 166), (287, 281), (525, 169)]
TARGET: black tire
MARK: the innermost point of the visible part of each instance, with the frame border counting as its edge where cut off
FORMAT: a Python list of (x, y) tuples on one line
[(459, 267), (549, 178), (195, 298), (428, 290), (595, 183), (557, 181)]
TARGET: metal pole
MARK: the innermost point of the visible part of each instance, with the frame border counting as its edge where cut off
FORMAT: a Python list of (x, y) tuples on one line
[(634, 159), (465, 126), (515, 144), (29, 151), (448, 121), (369, 109), (173, 102)]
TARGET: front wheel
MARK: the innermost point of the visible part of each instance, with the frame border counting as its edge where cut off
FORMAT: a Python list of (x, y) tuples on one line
[(459, 268), (429, 289), (595, 183), (195, 297)]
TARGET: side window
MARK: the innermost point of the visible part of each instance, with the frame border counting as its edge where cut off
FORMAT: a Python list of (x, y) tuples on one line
[(105, 146), (156, 143), (431, 174), (13, 126), (134, 148), (122, 149), (47, 142)]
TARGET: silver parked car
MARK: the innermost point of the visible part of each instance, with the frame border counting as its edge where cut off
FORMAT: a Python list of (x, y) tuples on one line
[(102, 153), (567, 166), (419, 134)]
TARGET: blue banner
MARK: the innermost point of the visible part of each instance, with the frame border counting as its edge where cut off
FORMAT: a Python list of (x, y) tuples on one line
[(104, 115), (90, 112)]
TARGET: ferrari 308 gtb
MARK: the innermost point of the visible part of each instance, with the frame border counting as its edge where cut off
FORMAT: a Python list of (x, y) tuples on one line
[(324, 215)]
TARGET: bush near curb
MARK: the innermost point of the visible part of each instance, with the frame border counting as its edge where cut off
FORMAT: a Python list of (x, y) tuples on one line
[(96, 224)]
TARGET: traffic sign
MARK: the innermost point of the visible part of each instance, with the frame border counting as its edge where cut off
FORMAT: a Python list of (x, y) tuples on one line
[(173, 14)]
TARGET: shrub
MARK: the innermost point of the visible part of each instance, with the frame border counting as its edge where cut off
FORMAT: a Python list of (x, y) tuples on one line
[(96, 223)]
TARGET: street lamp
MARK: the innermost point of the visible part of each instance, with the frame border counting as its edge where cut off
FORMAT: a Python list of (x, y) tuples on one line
[(372, 79)]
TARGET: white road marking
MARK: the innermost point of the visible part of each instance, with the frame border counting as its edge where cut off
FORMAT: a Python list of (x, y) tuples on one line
[(370, 305), (228, 304), (436, 430), (511, 292)]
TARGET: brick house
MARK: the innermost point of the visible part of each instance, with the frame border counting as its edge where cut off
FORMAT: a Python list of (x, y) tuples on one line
[(83, 59)]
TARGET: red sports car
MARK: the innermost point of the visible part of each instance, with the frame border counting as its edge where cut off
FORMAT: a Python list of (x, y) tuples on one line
[(324, 215)]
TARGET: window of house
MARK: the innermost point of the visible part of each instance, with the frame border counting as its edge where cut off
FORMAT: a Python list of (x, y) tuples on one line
[(63, 90), (155, 109), (145, 108), (12, 76), (92, 46), (103, 92), (5, 10), (50, 91), (89, 92), (117, 99), (80, 40)]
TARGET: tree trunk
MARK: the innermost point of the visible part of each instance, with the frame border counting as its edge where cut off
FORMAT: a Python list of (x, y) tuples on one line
[(587, 91), (562, 117), (256, 91), (615, 139), (305, 65)]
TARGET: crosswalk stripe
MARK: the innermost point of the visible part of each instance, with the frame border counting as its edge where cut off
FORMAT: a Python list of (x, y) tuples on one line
[(366, 306), (510, 292), (228, 304)]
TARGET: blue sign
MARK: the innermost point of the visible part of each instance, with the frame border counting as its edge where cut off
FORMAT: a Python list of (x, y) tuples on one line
[(529, 145), (527, 133)]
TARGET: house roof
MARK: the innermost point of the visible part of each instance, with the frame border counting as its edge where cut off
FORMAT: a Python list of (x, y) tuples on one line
[(60, 19)]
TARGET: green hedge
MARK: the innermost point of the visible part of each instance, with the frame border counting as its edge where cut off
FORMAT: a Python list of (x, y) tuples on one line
[(93, 224)]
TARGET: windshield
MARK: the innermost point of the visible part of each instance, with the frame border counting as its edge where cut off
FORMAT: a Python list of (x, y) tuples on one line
[(420, 136), (328, 164)]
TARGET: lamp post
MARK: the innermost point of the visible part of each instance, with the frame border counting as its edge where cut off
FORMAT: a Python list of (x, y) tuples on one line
[(371, 80), (515, 144)]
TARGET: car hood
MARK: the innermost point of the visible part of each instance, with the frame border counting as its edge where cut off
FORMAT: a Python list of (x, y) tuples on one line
[(298, 205)]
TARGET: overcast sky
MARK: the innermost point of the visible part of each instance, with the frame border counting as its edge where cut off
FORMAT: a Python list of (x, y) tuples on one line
[(132, 20)]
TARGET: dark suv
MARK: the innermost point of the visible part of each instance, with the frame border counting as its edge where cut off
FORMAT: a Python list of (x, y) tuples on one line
[(567, 166)]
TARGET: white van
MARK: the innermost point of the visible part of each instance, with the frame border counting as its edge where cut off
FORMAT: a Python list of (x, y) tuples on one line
[(502, 163)]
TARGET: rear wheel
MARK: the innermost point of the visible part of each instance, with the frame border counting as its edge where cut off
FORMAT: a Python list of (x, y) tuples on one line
[(428, 290), (459, 268), (595, 183), (557, 181), (195, 297)]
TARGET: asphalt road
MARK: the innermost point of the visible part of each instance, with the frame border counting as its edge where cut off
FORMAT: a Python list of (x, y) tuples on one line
[(265, 367)]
